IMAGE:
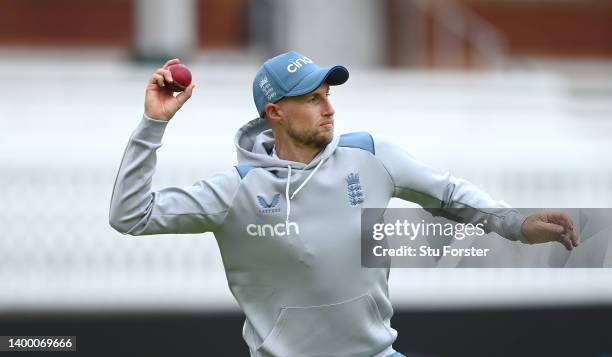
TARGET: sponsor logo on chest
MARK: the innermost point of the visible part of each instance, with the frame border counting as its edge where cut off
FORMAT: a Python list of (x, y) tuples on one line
[(259, 229), (266, 208)]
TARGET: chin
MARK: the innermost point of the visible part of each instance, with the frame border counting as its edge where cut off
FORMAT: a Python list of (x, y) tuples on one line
[(326, 133), (322, 140), (328, 137)]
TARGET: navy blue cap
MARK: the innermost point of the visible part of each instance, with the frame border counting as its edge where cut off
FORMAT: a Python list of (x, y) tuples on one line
[(289, 75)]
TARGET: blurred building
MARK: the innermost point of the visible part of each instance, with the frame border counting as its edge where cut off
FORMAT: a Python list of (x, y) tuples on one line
[(416, 33)]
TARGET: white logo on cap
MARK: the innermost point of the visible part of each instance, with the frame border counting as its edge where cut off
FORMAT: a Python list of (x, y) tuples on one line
[(267, 88), (263, 82), (298, 63)]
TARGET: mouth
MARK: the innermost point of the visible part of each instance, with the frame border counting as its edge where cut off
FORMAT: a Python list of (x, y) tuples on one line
[(327, 124)]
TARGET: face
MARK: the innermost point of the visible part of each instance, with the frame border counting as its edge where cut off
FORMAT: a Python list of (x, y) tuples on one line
[(307, 119)]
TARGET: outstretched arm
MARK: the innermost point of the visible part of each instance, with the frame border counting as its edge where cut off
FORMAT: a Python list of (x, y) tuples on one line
[(421, 184)]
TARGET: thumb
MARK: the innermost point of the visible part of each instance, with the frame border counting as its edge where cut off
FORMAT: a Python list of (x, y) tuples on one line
[(185, 95)]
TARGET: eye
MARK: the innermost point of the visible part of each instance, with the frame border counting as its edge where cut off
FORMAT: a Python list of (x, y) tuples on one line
[(314, 99)]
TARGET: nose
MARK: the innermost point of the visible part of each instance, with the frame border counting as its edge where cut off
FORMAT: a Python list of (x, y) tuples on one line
[(328, 109)]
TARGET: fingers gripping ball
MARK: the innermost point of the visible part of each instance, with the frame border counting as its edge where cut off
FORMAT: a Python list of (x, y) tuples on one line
[(181, 77)]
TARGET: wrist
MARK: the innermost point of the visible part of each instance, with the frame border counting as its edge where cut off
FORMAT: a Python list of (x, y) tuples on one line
[(150, 130), (156, 117)]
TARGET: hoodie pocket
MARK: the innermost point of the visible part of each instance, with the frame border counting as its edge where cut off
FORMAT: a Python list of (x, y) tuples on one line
[(349, 328)]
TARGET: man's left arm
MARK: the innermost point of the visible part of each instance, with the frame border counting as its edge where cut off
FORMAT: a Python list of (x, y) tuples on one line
[(416, 182)]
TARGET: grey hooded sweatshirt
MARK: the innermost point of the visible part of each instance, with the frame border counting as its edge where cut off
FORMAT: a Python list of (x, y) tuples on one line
[(289, 233)]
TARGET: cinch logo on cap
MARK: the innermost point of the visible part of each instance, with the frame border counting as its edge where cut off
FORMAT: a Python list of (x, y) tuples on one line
[(298, 63)]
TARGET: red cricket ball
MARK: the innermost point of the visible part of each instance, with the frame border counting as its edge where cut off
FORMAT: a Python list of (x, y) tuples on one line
[(181, 77)]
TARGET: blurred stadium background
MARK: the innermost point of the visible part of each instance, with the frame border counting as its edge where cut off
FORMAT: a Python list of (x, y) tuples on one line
[(513, 95)]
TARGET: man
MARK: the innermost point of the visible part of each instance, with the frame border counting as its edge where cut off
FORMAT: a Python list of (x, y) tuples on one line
[(286, 221)]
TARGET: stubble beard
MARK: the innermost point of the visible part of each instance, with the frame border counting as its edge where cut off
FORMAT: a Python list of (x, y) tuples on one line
[(311, 137)]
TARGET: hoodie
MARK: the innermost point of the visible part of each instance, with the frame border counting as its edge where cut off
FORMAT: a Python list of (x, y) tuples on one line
[(289, 233)]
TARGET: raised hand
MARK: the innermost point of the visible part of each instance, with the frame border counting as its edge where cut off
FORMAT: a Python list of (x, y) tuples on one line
[(160, 102)]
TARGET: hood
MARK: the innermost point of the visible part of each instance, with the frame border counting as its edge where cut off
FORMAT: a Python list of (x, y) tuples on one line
[(254, 142)]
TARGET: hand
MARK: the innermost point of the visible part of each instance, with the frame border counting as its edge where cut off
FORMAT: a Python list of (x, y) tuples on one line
[(550, 226), (160, 102)]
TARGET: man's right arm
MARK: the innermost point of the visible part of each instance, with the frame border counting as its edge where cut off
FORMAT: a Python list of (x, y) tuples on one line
[(136, 210)]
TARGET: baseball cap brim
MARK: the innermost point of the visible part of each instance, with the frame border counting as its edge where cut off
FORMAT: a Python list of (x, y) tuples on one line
[(334, 75)]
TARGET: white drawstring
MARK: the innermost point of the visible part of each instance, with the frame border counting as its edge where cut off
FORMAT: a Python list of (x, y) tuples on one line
[(307, 178), (287, 192), (287, 198)]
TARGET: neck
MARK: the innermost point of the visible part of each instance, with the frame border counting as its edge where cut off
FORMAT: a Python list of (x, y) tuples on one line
[(292, 151)]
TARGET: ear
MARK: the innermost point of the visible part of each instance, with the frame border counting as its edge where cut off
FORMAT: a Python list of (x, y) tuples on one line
[(273, 112)]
